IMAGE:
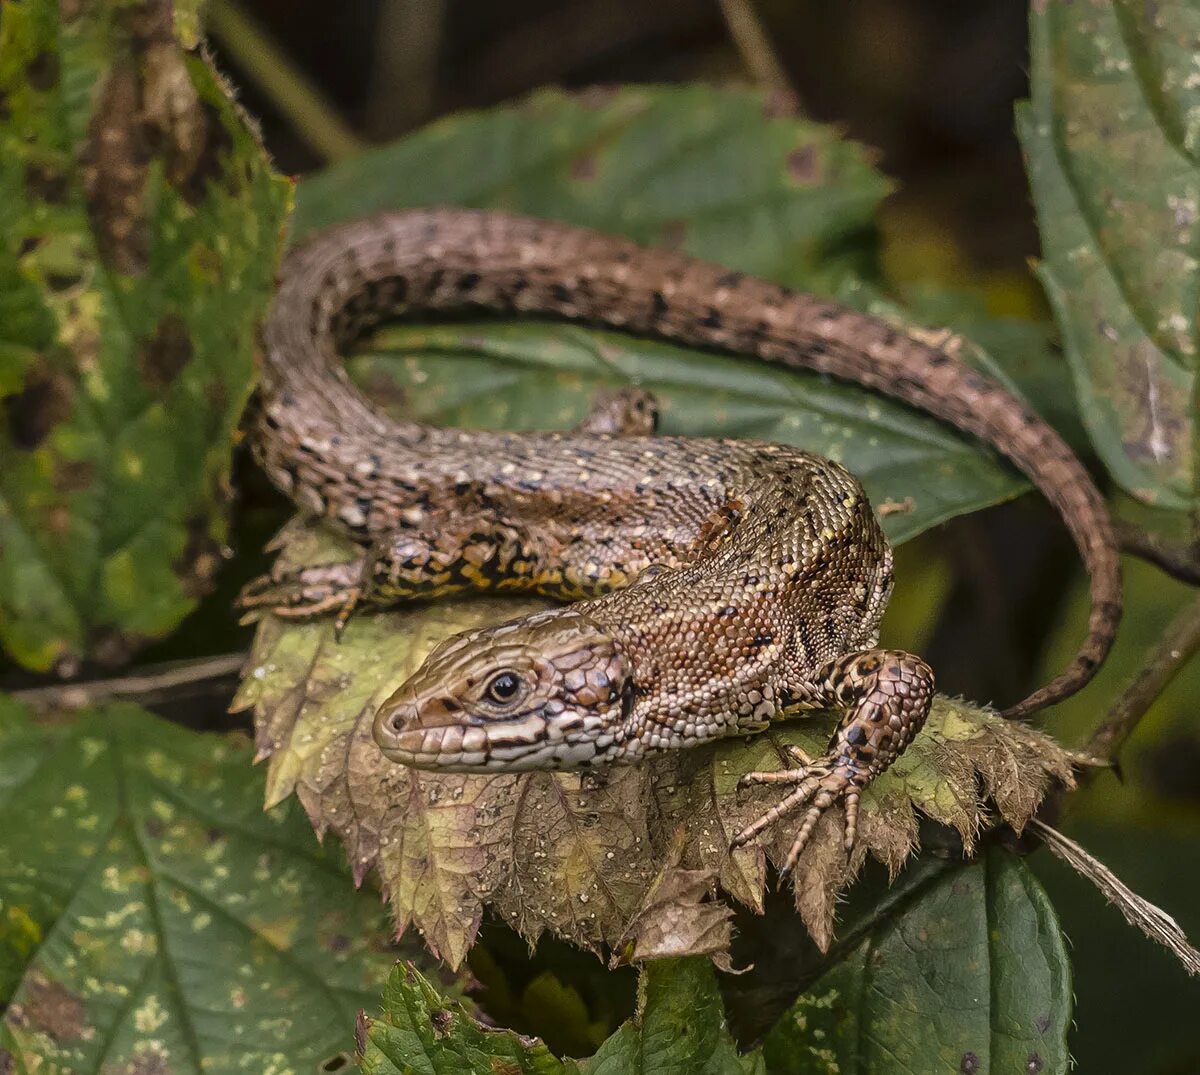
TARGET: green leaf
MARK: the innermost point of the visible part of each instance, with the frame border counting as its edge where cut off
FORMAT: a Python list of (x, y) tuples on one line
[(971, 975), (679, 1028), (422, 1032), (718, 173), (139, 224), (154, 918), (1111, 136)]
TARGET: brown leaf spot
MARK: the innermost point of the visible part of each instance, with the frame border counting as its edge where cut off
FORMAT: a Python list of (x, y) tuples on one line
[(969, 1064), (53, 1009), (164, 357), (43, 402), (73, 476), (115, 162), (1034, 1064), (362, 1028), (337, 1062), (42, 71), (45, 183), (802, 164), (8, 1063), (583, 167), (440, 1019), (149, 1061)]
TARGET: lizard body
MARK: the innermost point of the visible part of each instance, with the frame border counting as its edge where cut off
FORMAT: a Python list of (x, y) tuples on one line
[(719, 584)]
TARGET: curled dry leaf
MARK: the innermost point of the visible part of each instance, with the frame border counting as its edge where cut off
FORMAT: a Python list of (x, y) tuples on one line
[(580, 854)]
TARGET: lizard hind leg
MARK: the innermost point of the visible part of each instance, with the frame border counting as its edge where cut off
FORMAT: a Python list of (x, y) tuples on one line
[(886, 695), (624, 412)]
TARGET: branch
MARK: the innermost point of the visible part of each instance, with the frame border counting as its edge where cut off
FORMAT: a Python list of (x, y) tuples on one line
[(1180, 562), (145, 685), (754, 45), (1176, 647), (1154, 922), (312, 117)]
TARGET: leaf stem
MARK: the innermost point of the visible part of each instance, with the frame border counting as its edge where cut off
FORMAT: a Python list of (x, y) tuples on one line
[(145, 685), (754, 45), (1174, 649), (312, 117), (1179, 561)]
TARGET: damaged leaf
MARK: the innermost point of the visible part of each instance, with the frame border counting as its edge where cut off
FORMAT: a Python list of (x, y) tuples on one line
[(139, 224), (968, 974), (1111, 140), (579, 853), (418, 1026), (154, 919)]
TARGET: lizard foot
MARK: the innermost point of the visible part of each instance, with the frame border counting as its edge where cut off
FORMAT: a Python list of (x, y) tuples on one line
[(304, 593), (817, 785)]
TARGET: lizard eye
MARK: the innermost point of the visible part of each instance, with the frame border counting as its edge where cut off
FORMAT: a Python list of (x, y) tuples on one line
[(503, 687)]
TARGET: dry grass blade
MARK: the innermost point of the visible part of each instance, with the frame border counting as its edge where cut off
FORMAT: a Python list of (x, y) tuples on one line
[(1153, 921)]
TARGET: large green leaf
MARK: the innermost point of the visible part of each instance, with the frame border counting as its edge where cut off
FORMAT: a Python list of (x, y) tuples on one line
[(969, 976), (679, 1028), (153, 918), (1111, 136), (139, 223), (718, 173)]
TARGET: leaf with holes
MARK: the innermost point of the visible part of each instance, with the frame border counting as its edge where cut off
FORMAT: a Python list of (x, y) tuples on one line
[(579, 854), (153, 918), (139, 223), (969, 974), (1111, 137)]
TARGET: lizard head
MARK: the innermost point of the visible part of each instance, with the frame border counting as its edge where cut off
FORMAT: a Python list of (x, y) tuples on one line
[(550, 691)]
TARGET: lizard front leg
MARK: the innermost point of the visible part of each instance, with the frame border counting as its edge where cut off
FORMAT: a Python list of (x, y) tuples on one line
[(887, 695)]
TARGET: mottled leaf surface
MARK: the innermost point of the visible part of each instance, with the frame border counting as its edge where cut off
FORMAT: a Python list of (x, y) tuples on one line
[(968, 975), (1111, 136), (154, 919), (578, 854), (139, 223), (419, 1030)]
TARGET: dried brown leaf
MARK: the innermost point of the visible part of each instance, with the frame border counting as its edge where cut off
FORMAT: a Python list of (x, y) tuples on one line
[(583, 855)]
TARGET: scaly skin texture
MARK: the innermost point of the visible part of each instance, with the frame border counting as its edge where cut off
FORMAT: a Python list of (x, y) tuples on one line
[(719, 584)]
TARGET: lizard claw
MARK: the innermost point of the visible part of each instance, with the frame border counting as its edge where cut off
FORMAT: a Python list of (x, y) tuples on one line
[(817, 786), (303, 593)]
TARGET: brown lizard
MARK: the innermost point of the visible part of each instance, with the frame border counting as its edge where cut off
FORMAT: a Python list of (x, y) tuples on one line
[(717, 584)]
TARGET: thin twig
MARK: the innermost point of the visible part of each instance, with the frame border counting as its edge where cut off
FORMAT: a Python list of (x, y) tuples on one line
[(754, 45), (1178, 561), (312, 117), (144, 685), (1154, 922), (1178, 644)]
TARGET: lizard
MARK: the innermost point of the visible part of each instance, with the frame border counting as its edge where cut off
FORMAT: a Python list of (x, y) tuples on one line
[(709, 586)]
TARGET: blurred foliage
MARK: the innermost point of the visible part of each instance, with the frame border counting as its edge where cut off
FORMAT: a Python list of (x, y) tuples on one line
[(139, 226)]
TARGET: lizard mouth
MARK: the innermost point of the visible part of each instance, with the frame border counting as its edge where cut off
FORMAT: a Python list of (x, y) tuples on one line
[(514, 745)]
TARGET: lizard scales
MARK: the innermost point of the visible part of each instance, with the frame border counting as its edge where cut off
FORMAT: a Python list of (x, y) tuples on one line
[(726, 582)]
